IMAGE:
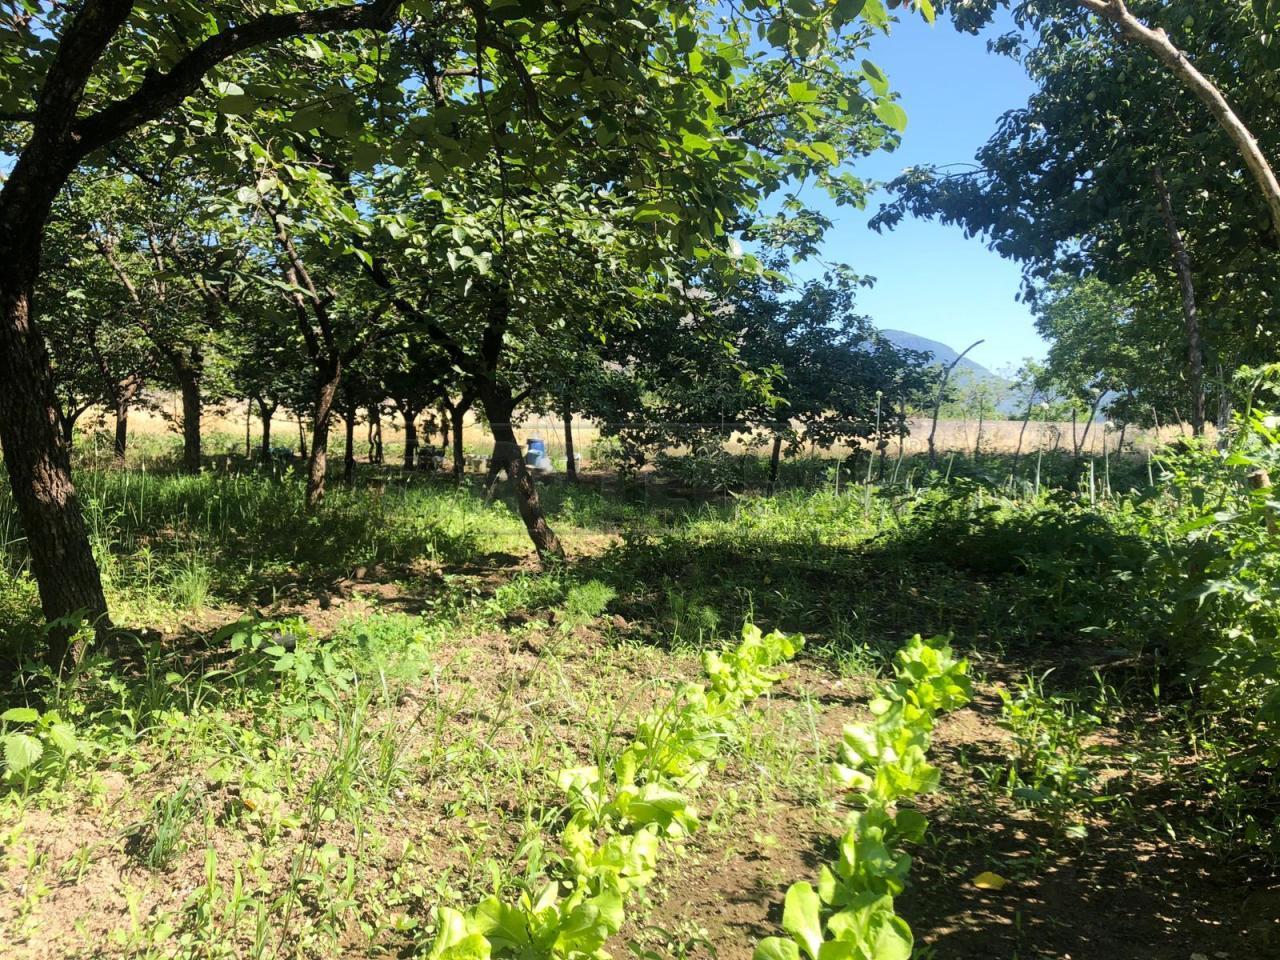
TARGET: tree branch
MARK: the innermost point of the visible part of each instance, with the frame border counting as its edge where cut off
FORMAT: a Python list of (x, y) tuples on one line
[(159, 92), (1158, 43)]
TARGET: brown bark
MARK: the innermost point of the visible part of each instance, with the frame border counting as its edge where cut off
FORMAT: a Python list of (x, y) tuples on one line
[(318, 463), (265, 412), (775, 459), (498, 408), (349, 454), (1158, 42), (123, 393), (937, 404), (1093, 416), (1190, 311), (410, 415), (570, 464), (189, 380), (458, 415), (1031, 405), (375, 434), (120, 445), (38, 461), (977, 443)]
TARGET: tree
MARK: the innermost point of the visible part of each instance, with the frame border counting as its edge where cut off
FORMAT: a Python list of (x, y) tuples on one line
[(1151, 29), (1109, 192), (100, 56), (513, 103), (801, 367)]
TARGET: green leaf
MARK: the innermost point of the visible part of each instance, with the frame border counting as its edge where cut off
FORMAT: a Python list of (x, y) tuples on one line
[(237, 105), (776, 948), (892, 114), (893, 939), (63, 736), (847, 11), (826, 151), (911, 825), (840, 950), (474, 946), (308, 118), (801, 92), (801, 919), (696, 143), (20, 715), (21, 750), (876, 77)]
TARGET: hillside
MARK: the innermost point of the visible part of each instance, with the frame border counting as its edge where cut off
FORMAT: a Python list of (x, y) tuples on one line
[(966, 371), (942, 353)]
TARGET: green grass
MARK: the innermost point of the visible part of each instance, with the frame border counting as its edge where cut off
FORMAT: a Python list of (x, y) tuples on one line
[(375, 738)]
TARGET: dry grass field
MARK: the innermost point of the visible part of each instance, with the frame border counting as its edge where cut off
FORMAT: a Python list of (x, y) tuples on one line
[(958, 436)]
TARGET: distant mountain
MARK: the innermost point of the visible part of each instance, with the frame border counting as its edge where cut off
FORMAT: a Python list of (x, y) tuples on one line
[(966, 370), (942, 353)]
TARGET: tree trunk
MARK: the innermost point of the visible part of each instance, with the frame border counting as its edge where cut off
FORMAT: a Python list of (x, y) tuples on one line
[(1223, 420), (375, 434), (1190, 312), (498, 408), (1093, 416), (410, 433), (775, 459), (126, 392), (570, 464), (1031, 405), (38, 461), (68, 423), (349, 454), (458, 415), (459, 454), (265, 413), (121, 443), (302, 438), (189, 380), (977, 444), (318, 464)]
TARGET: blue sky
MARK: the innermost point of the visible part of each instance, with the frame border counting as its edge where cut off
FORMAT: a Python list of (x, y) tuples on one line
[(930, 279)]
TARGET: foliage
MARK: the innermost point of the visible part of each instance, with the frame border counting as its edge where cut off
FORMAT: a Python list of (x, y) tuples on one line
[(883, 763), (38, 745), (639, 799), (1052, 767)]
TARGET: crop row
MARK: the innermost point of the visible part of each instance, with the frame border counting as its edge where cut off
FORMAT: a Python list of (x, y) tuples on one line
[(620, 812), (884, 763)]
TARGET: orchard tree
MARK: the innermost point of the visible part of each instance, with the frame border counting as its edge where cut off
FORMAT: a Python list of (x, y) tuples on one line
[(78, 79), (1133, 186), (100, 357), (1203, 45)]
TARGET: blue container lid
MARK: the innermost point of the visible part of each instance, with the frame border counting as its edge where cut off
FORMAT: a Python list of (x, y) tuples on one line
[(536, 444)]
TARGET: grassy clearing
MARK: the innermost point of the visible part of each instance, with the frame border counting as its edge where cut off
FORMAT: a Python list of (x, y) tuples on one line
[(381, 737)]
